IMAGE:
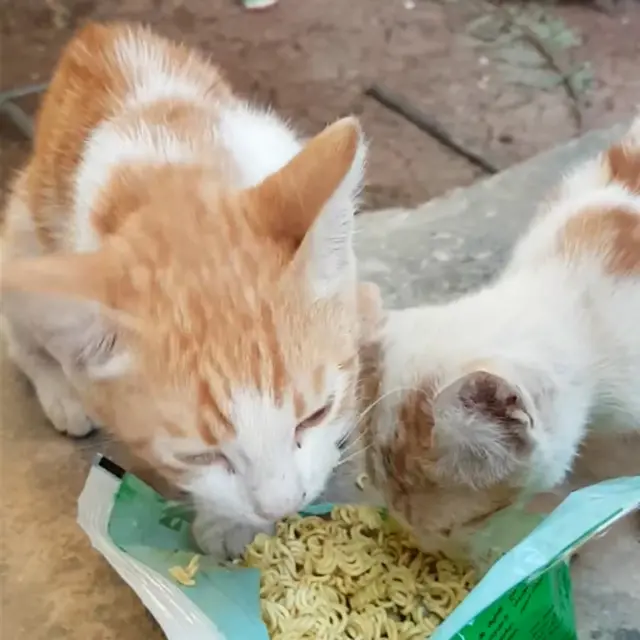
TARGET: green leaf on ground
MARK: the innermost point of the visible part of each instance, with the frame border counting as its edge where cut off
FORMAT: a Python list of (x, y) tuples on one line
[(486, 28), (536, 78), (582, 78), (521, 55)]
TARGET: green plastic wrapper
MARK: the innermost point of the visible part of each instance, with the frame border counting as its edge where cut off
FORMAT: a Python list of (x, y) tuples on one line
[(525, 595)]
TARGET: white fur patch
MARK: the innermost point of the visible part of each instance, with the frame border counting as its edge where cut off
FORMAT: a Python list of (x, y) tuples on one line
[(272, 475), (155, 75), (259, 141), (114, 367)]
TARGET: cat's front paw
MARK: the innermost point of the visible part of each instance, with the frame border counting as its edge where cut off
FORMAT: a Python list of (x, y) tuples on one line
[(62, 406), (236, 540), (225, 541), (209, 538)]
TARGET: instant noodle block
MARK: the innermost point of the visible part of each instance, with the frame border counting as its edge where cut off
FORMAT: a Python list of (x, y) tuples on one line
[(353, 574), (345, 571)]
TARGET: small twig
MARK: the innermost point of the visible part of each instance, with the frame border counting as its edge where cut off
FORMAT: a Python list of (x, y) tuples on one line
[(20, 119), (540, 46), (20, 92), (15, 113), (402, 107)]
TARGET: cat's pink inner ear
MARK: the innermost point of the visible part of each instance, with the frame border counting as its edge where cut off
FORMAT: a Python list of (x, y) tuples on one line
[(482, 428), (494, 399), (290, 200)]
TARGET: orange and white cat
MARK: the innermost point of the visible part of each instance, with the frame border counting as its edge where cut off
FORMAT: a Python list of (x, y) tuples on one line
[(491, 396), (178, 266)]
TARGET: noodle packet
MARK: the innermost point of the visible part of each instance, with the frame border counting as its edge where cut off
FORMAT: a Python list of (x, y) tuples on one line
[(526, 594)]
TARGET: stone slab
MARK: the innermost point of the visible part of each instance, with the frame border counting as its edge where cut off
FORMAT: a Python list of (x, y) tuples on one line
[(457, 242)]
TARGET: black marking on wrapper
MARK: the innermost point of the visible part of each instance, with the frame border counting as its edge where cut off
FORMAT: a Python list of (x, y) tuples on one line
[(110, 466)]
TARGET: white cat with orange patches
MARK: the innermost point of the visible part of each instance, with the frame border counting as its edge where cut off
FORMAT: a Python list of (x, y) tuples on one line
[(178, 267), (492, 396)]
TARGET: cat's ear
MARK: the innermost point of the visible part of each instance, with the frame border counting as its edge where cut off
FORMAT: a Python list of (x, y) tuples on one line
[(311, 204), (65, 299), (482, 429)]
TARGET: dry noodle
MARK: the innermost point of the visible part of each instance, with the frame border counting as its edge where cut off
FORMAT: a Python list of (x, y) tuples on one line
[(361, 481), (354, 575), (186, 575)]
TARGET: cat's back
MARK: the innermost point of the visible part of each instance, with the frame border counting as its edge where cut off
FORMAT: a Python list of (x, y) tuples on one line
[(588, 240), (590, 228), (106, 72), (107, 69)]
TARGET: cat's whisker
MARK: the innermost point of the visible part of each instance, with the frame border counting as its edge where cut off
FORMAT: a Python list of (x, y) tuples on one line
[(365, 412), (354, 448), (351, 445), (352, 456)]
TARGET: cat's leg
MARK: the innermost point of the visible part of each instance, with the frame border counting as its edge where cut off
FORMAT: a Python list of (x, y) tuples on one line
[(224, 539), (58, 398)]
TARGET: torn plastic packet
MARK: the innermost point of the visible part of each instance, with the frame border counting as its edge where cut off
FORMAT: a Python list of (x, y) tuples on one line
[(526, 595)]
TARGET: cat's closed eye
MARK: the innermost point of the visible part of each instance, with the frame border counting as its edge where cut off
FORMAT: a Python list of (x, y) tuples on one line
[(314, 419), (206, 459)]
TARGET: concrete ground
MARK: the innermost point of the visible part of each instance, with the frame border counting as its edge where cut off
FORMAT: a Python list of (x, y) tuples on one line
[(55, 587), (312, 61)]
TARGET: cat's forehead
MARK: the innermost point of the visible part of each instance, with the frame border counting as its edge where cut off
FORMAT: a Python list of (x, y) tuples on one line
[(255, 341), (231, 368)]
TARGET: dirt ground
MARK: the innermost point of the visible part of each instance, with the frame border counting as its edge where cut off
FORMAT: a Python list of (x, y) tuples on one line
[(313, 59)]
